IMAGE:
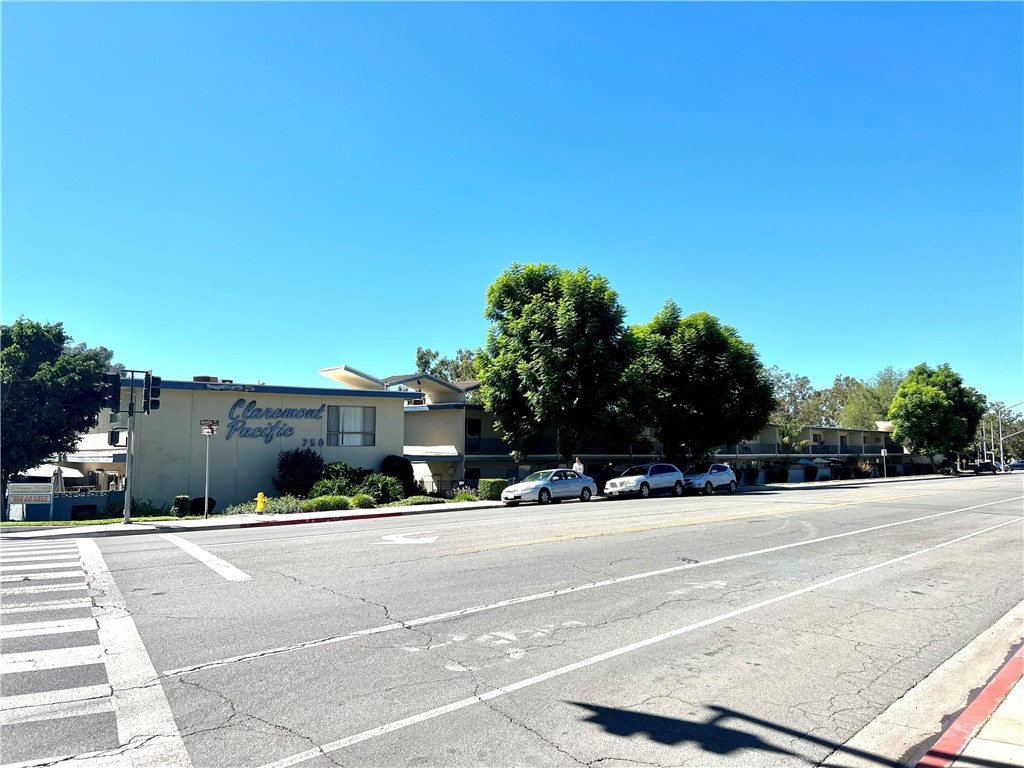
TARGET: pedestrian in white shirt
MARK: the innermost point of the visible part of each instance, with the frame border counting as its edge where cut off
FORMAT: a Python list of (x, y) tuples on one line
[(578, 466)]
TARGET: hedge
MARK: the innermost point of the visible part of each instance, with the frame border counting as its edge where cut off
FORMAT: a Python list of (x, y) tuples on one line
[(491, 488)]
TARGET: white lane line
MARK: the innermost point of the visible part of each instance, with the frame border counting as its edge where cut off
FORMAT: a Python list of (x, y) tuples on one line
[(496, 692), (552, 593), (47, 588), (27, 548), (37, 628), (40, 576), (214, 563), (37, 566), (106, 759), (40, 558), (50, 605), (58, 696), (59, 658), (143, 715), (57, 711)]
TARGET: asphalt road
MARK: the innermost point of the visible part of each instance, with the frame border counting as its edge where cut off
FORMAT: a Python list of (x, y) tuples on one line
[(758, 629)]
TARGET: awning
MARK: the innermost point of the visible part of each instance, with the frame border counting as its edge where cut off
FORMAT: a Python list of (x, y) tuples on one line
[(96, 449), (47, 470), (422, 453)]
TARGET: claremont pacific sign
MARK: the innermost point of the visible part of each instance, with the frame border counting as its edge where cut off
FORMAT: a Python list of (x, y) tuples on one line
[(245, 411)]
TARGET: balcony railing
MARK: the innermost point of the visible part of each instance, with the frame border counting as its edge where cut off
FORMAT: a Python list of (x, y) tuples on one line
[(546, 446)]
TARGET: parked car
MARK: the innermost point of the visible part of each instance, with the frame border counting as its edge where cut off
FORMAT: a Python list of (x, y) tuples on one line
[(708, 478), (645, 479), (550, 485), (1018, 464)]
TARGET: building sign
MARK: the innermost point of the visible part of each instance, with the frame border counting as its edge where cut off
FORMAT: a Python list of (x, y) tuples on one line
[(30, 493), (243, 412)]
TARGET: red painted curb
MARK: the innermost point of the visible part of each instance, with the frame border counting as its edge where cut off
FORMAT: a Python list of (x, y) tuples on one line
[(949, 746), (333, 519)]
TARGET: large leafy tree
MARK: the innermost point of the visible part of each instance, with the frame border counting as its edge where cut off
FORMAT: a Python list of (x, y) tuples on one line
[(697, 382), (933, 412), (794, 398), (869, 402), (555, 355), (51, 392), (462, 367)]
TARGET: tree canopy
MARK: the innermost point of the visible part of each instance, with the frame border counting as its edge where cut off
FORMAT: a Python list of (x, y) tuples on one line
[(51, 392), (933, 412), (870, 400), (462, 367), (697, 382), (555, 355)]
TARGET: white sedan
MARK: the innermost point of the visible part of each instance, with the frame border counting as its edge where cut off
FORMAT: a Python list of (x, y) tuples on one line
[(708, 478), (550, 485)]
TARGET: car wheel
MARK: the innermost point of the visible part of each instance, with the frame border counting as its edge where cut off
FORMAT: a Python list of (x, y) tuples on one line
[(677, 489), (585, 494), (732, 486), (645, 490), (544, 497), (708, 488)]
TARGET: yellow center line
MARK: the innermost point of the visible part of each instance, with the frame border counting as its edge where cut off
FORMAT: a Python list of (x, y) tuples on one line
[(702, 521)]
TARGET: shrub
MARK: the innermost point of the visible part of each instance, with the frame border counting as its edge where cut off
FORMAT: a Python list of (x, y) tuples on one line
[(362, 501), (382, 488), (810, 473), (466, 496), (490, 488), (333, 486), (195, 507), (325, 504), (180, 506), (777, 473), (339, 470), (413, 501), (297, 470), (400, 468), (276, 505)]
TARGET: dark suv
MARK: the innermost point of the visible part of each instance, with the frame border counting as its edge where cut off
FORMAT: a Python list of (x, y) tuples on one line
[(983, 466)]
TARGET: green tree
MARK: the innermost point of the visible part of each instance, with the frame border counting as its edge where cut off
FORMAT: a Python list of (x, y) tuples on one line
[(870, 401), (933, 412), (51, 393), (462, 367), (555, 355), (826, 406), (794, 398), (696, 382), (1013, 432)]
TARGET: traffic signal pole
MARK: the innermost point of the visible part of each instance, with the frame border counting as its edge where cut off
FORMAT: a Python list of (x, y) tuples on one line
[(128, 463)]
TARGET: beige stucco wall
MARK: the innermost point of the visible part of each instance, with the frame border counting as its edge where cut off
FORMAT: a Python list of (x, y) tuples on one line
[(170, 451), (436, 427)]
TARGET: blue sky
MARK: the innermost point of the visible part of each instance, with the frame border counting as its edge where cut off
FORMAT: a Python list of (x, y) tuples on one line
[(260, 191)]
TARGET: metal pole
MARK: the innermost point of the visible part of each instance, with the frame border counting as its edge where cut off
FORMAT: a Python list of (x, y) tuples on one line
[(206, 490), (128, 461), (1002, 461)]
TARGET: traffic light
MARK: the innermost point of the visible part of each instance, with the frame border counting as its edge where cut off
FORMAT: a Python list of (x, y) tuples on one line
[(151, 393), (112, 391)]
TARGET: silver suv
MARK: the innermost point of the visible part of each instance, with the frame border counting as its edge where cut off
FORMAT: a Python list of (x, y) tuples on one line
[(645, 479), (708, 478)]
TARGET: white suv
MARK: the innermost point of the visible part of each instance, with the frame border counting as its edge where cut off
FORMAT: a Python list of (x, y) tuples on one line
[(708, 478), (645, 479)]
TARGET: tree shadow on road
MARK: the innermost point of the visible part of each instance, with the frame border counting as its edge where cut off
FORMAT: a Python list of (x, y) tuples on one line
[(714, 736)]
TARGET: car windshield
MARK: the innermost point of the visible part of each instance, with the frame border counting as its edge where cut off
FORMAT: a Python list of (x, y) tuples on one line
[(633, 471), (698, 469), (538, 477)]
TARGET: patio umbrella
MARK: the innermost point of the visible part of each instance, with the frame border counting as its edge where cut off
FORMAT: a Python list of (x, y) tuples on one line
[(58, 480)]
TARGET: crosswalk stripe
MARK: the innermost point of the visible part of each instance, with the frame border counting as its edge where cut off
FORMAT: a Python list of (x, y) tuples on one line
[(105, 759), (37, 558), (58, 696), (39, 576), (31, 547), (37, 566), (56, 711), (58, 658), (55, 627), (47, 605), (47, 588)]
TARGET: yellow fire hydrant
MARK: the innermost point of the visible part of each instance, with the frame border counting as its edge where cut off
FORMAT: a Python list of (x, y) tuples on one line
[(261, 503)]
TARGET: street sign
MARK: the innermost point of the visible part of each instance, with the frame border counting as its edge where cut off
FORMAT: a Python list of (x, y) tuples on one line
[(885, 452), (209, 426)]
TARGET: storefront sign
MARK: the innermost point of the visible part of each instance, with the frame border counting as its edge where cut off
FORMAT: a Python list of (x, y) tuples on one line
[(244, 411), (30, 493)]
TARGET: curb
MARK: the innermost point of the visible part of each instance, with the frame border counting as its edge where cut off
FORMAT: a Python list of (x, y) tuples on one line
[(954, 740)]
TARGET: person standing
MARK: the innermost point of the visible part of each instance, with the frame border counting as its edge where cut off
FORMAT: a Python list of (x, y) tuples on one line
[(578, 465)]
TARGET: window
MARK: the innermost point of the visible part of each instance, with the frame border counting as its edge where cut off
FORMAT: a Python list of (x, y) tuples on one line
[(351, 425)]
